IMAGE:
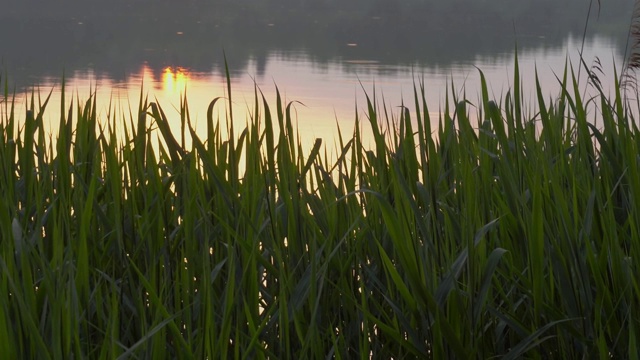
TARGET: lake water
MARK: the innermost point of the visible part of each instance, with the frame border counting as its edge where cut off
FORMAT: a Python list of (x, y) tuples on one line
[(328, 86)]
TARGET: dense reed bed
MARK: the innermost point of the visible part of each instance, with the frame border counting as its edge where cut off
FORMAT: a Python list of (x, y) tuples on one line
[(515, 235)]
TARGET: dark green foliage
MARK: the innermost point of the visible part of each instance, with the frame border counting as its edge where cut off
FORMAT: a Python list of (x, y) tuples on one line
[(494, 234)]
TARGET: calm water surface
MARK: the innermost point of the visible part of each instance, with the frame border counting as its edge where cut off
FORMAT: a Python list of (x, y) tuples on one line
[(326, 95), (327, 90)]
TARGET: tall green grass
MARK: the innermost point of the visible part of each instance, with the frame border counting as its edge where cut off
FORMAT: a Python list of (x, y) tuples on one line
[(514, 235)]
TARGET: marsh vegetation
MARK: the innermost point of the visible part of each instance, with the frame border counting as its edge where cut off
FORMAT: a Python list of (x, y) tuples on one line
[(513, 234)]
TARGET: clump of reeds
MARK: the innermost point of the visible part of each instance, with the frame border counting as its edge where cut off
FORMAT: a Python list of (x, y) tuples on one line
[(632, 57), (515, 236)]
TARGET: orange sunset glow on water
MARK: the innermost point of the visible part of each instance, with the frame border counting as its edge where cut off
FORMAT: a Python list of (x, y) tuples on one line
[(174, 79), (322, 99)]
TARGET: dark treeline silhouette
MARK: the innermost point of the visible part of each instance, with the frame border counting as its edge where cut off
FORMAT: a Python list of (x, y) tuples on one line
[(40, 38)]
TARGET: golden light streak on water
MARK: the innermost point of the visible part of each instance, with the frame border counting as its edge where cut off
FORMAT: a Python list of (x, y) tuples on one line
[(174, 80)]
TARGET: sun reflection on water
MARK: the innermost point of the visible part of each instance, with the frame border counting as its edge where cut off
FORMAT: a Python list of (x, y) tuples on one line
[(174, 79)]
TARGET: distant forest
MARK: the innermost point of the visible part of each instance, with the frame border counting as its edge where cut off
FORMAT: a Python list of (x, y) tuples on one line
[(481, 11)]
